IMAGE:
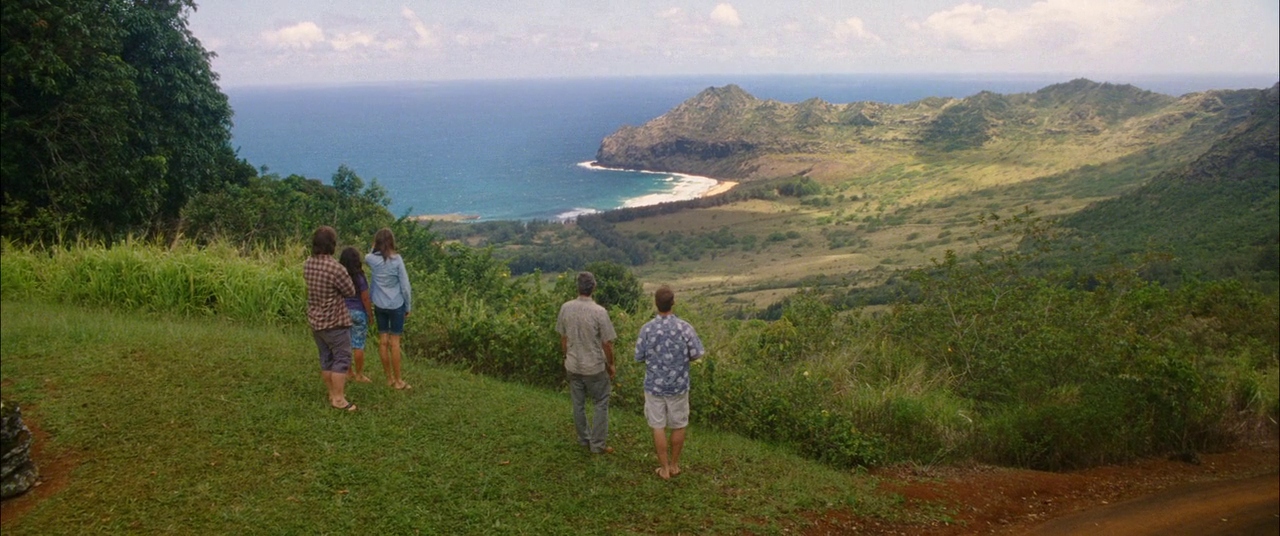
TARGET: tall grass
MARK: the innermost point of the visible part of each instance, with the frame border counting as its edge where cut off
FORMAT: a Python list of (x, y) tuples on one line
[(986, 362), (265, 286)]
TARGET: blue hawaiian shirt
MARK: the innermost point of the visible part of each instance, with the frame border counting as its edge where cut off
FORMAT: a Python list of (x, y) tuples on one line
[(666, 345)]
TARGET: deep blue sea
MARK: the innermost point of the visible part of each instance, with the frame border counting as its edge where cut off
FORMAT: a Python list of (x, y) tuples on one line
[(512, 149)]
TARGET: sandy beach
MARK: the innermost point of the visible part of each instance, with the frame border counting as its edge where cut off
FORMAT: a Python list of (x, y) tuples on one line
[(719, 188), (454, 217), (688, 187)]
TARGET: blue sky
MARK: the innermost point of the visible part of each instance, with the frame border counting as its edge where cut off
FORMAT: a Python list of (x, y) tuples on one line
[(288, 42)]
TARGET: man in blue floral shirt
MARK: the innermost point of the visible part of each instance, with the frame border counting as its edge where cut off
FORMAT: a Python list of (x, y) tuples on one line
[(666, 345)]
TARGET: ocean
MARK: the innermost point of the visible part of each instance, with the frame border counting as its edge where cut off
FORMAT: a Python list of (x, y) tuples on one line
[(519, 149)]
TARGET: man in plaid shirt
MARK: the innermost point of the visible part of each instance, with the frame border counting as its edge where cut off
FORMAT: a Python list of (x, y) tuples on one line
[(327, 284)]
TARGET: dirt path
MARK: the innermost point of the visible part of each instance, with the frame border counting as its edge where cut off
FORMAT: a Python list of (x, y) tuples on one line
[(1249, 506), (1154, 496)]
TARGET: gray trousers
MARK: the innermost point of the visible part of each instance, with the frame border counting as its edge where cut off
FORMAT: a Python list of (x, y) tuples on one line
[(596, 387)]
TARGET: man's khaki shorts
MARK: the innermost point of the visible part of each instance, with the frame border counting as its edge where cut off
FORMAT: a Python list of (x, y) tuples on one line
[(667, 411)]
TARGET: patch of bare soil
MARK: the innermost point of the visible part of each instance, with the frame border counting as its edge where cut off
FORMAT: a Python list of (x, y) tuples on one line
[(55, 473), (981, 499)]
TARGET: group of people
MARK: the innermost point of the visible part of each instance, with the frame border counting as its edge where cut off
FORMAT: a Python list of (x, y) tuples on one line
[(666, 345), (340, 299)]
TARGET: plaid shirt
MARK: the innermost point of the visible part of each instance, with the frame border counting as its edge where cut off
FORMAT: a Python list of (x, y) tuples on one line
[(327, 284)]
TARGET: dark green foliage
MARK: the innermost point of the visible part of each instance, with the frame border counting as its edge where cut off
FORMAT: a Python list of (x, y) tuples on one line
[(617, 287), (801, 187), (603, 231), (676, 246), (965, 125), (560, 258), (112, 118), (534, 246), (786, 407), (1072, 377), (469, 310), (1217, 215), (272, 210)]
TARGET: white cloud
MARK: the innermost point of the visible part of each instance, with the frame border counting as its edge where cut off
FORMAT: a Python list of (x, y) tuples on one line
[(674, 14), (425, 38), (1078, 25), (852, 28), (726, 15), (300, 35), (353, 39)]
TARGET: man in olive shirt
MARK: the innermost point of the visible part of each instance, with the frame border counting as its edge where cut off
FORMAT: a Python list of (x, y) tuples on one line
[(586, 338)]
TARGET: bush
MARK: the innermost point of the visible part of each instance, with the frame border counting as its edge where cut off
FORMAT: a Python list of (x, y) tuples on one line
[(616, 287)]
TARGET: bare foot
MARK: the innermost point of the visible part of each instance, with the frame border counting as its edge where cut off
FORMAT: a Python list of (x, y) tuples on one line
[(363, 379), (402, 386), (662, 473), (674, 470)]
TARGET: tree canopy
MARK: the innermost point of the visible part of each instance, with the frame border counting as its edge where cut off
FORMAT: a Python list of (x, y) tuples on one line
[(111, 117)]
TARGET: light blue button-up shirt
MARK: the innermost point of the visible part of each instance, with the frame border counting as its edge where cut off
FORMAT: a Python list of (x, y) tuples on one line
[(390, 286)]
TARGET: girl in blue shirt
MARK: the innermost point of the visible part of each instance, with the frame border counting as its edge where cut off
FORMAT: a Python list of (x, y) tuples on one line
[(392, 301)]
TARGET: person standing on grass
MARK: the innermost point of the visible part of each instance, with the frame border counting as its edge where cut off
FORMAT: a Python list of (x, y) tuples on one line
[(392, 301), (586, 339), (328, 283), (667, 345), (360, 309)]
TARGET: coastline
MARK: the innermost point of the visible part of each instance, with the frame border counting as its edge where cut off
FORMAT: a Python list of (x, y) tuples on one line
[(700, 186), (451, 217), (719, 188), (684, 187)]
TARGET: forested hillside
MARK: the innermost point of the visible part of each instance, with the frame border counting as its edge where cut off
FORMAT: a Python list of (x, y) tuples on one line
[(1219, 215), (112, 118)]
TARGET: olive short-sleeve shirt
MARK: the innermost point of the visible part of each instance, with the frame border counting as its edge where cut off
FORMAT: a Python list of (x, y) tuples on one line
[(587, 327)]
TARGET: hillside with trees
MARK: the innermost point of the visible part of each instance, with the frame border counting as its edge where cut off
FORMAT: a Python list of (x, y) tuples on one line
[(1217, 216), (112, 118)]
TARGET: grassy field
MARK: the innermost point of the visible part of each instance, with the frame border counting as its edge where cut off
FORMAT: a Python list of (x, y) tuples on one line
[(902, 211), (181, 425)]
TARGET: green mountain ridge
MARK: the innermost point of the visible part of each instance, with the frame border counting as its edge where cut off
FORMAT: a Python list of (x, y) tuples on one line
[(1219, 215), (726, 132)]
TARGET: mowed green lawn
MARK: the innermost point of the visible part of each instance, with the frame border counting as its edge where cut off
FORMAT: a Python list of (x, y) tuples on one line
[(204, 426)]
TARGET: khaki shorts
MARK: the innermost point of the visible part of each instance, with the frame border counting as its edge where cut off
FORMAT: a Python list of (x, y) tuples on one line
[(667, 411)]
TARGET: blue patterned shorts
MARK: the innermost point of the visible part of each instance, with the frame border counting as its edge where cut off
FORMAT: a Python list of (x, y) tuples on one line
[(359, 328)]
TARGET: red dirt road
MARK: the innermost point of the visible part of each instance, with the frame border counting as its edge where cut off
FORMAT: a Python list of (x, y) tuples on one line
[(1249, 506), (1226, 493)]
